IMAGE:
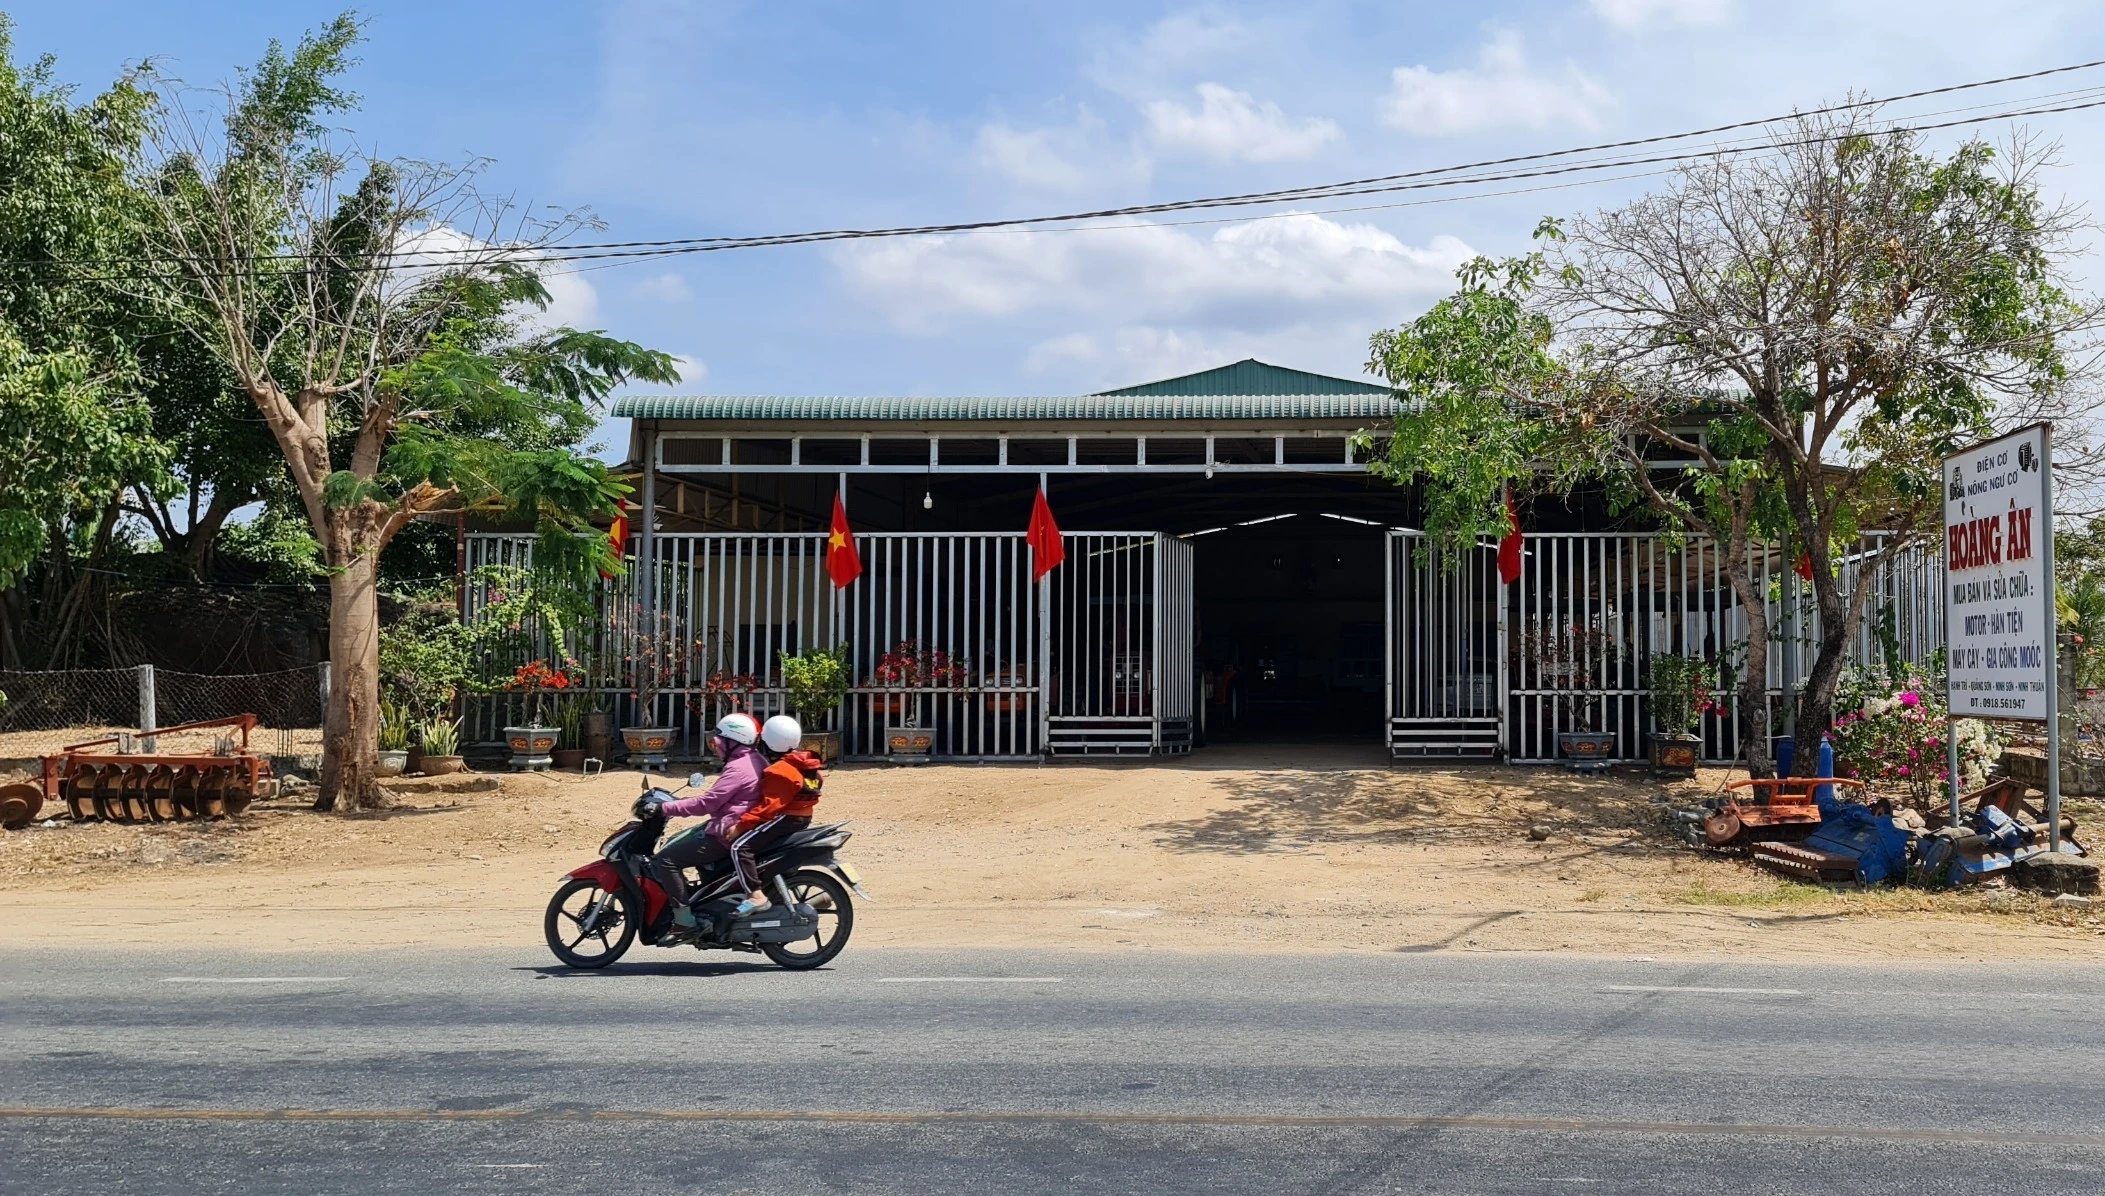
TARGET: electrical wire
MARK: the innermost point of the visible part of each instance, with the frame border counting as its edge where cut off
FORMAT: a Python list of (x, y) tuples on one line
[(1440, 177)]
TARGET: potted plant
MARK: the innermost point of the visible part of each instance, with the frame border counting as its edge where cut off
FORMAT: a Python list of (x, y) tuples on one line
[(441, 737), (532, 744), (394, 738), (653, 654), (570, 725), (816, 683), (1681, 689)]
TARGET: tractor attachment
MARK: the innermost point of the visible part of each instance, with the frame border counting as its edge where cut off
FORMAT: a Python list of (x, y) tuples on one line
[(128, 786), (1765, 808)]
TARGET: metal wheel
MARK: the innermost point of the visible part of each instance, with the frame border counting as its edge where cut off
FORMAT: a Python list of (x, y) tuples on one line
[(588, 926), (828, 897), (19, 804)]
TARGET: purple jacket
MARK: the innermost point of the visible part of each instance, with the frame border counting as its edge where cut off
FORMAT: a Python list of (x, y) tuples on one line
[(735, 790)]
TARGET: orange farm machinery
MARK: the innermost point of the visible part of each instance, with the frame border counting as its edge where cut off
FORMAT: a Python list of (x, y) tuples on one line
[(99, 779)]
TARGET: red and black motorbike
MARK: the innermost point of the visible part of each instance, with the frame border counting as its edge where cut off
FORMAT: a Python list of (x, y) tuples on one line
[(601, 909)]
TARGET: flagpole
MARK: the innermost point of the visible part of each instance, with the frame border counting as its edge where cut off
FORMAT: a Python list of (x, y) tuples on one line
[(1044, 649)]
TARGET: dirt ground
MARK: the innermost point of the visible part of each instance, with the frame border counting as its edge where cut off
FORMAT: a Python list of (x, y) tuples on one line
[(1230, 849)]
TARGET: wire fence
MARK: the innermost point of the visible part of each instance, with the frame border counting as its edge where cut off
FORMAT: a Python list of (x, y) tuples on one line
[(46, 711)]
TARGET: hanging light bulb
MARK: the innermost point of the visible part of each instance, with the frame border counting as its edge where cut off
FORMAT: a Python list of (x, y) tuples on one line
[(928, 500)]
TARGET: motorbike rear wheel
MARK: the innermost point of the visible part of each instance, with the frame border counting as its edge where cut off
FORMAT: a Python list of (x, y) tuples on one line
[(824, 893), (564, 924)]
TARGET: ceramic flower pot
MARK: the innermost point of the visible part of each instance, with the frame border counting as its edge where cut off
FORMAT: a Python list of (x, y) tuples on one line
[(394, 762), (648, 745), (439, 766), (1587, 751), (530, 747), (569, 759), (1675, 755)]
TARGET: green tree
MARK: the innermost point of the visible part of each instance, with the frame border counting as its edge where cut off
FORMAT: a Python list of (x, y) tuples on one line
[(74, 427), (368, 309)]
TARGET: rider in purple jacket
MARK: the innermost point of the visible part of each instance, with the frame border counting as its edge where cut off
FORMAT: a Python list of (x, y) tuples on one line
[(736, 788)]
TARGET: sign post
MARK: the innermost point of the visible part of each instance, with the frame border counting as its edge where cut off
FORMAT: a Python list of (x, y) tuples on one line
[(1999, 625)]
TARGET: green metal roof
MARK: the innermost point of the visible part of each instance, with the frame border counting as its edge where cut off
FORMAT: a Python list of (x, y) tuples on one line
[(1375, 403), (1252, 377)]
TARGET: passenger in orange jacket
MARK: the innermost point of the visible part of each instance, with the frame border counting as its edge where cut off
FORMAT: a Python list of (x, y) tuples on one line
[(789, 792)]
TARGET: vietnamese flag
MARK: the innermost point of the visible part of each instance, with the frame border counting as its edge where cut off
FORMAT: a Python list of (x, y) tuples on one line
[(1509, 545), (842, 563), (618, 535), (1047, 549)]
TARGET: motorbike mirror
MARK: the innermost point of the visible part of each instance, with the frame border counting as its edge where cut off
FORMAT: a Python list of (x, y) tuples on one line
[(694, 780)]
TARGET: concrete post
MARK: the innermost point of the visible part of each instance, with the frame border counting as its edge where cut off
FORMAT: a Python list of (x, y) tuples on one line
[(147, 723)]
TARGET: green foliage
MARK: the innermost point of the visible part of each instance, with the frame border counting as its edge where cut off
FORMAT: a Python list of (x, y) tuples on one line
[(440, 737), (1681, 688), (426, 657), (394, 727), (525, 612), (817, 681), (74, 429), (570, 723), (1472, 374), (279, 542)]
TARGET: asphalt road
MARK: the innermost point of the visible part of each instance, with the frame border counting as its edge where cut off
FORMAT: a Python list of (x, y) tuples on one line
[(1007, 1072)]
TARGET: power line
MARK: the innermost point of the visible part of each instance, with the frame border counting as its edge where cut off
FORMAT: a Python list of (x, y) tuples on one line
[(1440, 177)]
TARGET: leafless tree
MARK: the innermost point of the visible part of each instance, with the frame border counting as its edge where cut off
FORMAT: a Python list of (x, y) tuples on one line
[(1837, 314)]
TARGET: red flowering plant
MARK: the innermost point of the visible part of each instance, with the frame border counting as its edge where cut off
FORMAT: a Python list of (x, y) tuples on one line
[(908, 666), (535, 679)]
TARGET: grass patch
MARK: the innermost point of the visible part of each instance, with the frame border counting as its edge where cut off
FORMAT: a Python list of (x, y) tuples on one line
[(1781, 895)]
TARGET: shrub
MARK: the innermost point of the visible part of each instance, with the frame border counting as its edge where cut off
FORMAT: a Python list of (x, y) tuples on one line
[(1890, 735), (816, 682)]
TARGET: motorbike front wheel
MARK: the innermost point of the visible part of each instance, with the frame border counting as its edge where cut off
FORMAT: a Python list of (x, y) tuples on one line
[(577, 936), (828, 897)]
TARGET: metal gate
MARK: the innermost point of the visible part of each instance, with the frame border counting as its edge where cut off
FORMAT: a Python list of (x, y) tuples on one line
[(946, 635), (1479, 668), (1122, 675), (1446, 663)]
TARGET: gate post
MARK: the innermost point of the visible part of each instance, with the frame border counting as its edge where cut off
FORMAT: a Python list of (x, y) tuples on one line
[(146, 708), (1388, 643), (1505, 697)]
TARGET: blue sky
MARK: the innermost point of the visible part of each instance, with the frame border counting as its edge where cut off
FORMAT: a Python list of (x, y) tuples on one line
[(681, 119)]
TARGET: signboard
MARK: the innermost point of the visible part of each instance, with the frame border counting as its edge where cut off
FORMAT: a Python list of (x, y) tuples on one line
[(1998, 562)]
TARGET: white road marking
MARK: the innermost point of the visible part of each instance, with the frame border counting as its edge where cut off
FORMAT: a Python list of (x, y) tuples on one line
[(252, 979), (969, 980), (505, 1166), (1686, 988)]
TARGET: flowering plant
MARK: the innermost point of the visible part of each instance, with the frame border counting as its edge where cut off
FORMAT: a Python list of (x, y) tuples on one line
[(535, 678), (653, 652), (907, 666), (1890, 735), (1681, 692)]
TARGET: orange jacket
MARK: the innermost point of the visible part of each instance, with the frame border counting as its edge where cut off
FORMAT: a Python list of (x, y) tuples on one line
[(789, 786)]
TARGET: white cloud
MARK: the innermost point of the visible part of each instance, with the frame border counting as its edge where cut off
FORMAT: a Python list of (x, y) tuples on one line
[(693, 371), (1499, 92), (1055, 157), (1251, 274), (1134, 353), (668, 287), (572, 303), (1231, 126), (1638, 14)]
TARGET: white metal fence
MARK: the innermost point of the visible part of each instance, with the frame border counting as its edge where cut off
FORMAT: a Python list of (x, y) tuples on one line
[(947, 636), (1477, 667)]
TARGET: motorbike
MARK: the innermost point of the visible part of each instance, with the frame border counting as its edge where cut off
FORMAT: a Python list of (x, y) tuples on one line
[(600, 910)]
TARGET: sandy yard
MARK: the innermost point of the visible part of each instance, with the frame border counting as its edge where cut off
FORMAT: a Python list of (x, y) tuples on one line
[(1231, 849)]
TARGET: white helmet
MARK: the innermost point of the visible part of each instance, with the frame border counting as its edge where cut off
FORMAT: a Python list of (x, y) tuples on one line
[(782, 734), (738, 727)]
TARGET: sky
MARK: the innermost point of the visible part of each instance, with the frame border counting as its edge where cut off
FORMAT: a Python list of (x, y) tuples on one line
[(669, 119)]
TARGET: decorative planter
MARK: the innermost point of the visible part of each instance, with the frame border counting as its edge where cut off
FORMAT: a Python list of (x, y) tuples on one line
[(394, 761), (439, 766), (648, 745), (530, 747), (1675, 755), (826, 745), (1587, 751), (599, 734), (908, 745), (569, 759)]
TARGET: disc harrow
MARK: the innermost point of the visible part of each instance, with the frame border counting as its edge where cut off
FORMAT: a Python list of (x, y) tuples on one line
[(102, 779)]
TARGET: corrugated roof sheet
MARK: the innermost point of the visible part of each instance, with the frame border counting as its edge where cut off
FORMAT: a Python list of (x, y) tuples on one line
[(1252, 377), (1377, 404)]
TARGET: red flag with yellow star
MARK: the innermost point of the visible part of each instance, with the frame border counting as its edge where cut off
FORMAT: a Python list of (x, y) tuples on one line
[(618, 535), (842, 563)]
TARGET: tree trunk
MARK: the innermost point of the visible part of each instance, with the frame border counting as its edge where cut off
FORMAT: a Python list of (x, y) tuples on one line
[(351, 732), (1816, 703), (1753, 697)]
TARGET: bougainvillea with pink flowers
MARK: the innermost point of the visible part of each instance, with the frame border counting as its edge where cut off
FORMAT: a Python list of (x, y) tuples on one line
[(1890, 735)]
